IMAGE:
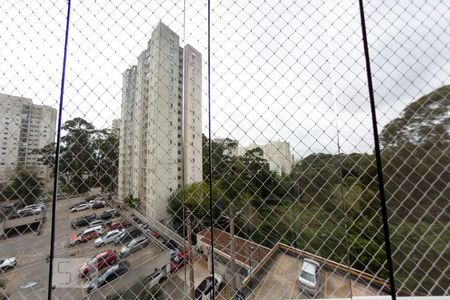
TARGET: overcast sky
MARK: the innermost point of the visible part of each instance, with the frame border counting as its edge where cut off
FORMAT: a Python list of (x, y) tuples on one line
[(281, 70)]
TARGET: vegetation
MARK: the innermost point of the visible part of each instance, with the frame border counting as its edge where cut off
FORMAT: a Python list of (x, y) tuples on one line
[(329, 204), (89, 157), (26, 186)]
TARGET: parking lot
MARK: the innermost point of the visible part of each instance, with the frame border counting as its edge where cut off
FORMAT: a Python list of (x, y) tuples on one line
[(177, 285), (29, 279), (280, 281)]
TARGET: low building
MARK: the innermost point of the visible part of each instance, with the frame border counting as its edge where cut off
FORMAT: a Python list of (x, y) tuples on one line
[(248, 254), (264, 272)]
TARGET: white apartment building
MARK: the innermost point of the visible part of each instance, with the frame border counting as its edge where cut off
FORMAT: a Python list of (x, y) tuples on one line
[(116, 127), (24, 127), (230, 147), (158, 128), (278, 155)]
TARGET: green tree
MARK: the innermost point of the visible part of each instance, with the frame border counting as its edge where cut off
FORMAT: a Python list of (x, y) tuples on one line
[(88, 157), (26, 186), (196, 198), (106, 155), (77, 155)]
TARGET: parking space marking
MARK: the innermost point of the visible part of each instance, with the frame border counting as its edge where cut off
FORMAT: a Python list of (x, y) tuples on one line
[(261, 287), (294, 284), (325, 284)]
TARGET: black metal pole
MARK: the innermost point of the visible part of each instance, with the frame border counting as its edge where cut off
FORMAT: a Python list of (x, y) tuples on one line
[(57, 150), (210, 149), (379, 165)]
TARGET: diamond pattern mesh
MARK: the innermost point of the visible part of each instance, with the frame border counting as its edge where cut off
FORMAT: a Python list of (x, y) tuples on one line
[(223, 150)]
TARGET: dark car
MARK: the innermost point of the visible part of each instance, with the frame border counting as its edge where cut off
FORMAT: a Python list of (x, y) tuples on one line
[(109, 214), (172, 245), (99, 204), (127, 235), (83, 221), (92, 197), (108, 275)]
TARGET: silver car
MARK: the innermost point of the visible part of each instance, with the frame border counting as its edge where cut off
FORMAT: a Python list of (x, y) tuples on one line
[(308, 278), (107, 237), (134, 245), (8, 263), (156, 277)]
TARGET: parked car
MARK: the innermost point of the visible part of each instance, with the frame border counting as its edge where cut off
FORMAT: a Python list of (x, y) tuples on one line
[(37, 206), (83, 221), (172, 245), (205, 288), (107, 276), (86, 235), (127, 235), (109, 214), (157, 277), (80, 207), (119, 225), (308, 278), (91, 197), (180, 259), (76, 204), (25, 212), (98, 262), (8, 263), (98, 204), (98, 223), (108, 237), (134, 245)]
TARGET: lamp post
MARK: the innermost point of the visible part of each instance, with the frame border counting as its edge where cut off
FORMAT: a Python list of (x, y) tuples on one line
[(251, 249), (233, 215)]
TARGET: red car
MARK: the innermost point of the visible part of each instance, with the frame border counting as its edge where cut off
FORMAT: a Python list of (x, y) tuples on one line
[(119, 225), (180, 259), (83, 237), (98, 262)]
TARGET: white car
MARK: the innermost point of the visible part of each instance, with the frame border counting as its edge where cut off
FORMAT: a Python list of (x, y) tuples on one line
[(107, 237), (156, 277), (308, 277), (97, 223), (37, 207), (98, 228), (204, 289), (79, 207), (7, 263)]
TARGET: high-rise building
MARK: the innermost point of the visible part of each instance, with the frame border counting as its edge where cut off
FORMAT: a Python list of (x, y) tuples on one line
[(25, 128), (160, 134), (116, 127), (278, 155), (230, 147)]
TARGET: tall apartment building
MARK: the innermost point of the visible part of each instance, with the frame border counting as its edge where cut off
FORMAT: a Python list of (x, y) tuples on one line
[(116, 127), (230, 147), (24, 127), (160, 134), (278, 155)]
